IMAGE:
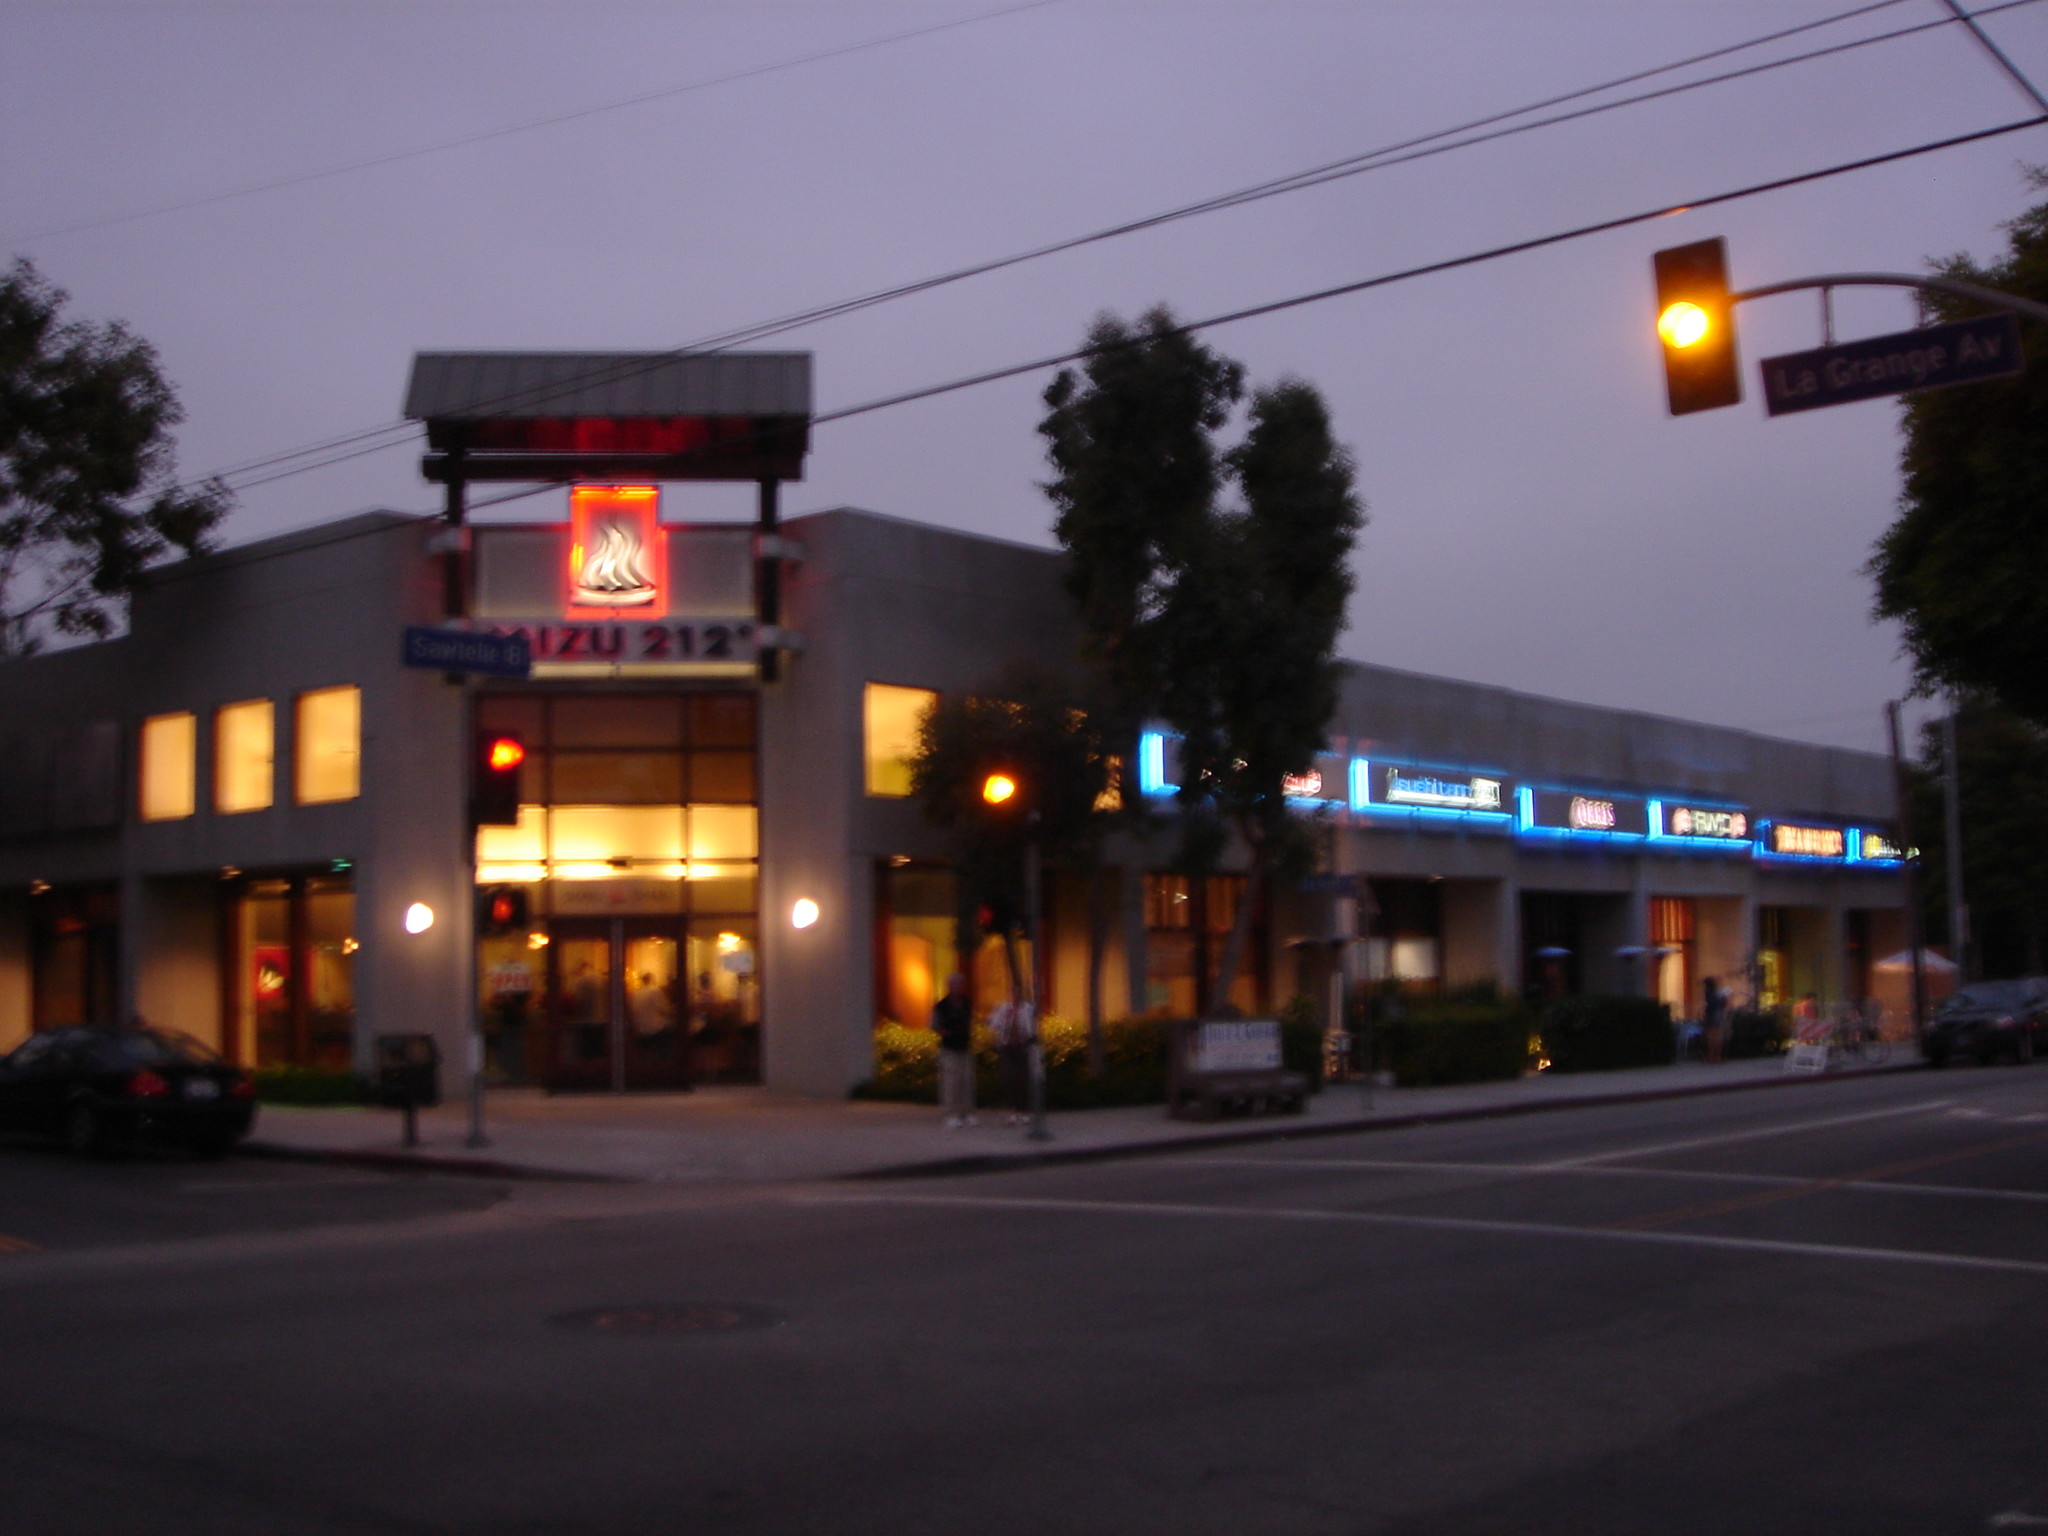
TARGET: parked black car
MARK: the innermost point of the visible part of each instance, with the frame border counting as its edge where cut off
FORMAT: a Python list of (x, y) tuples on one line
[(1990, 1019), (92, 1086)]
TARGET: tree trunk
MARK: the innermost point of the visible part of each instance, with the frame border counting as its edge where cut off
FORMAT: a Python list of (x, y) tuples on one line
[(1098, 925), (1240, 929)]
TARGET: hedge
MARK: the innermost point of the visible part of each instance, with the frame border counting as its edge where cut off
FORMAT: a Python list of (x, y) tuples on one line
[(1475, 1036), (1756, 1032), (1599, 1034), (309, 1085)]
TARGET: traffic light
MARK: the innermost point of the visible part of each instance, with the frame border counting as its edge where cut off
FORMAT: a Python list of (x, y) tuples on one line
[(501, 909), (494, 779), (1696, 324)]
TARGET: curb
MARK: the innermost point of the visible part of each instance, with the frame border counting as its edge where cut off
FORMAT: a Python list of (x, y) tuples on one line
[(997, 1162), (424, 1162)]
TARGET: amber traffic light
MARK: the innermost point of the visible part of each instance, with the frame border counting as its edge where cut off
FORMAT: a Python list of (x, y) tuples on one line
[(998, 789), (494, 779), (1696, 326)]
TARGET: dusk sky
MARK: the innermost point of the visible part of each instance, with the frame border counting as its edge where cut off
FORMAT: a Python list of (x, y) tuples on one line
[(1537, 520)]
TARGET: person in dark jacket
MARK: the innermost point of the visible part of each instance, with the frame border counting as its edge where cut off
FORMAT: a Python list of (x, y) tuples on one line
[(953, 1023)]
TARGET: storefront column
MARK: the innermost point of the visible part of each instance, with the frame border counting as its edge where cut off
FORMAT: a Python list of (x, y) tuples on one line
[(1132, 894), (1481, 944)]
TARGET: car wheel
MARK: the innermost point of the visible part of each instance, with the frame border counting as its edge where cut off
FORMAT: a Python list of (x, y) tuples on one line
[(83, 1133)]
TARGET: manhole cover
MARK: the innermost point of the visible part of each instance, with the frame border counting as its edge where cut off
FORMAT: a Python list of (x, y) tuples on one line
[(688, 1317)]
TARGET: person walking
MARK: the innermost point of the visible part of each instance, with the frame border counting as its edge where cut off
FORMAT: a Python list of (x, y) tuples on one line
[(1714, 1019), (953, 1023)]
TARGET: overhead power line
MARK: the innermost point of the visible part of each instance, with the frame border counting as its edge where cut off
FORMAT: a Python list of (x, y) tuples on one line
[(510, 130), (1406, 274), (364, 441)]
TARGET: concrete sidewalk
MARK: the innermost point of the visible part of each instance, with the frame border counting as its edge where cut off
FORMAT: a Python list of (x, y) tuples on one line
[(747, 1135)]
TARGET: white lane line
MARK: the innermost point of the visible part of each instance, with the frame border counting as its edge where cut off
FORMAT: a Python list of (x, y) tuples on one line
[(1661, 1236), (1782, 1180), (1755, 1133)]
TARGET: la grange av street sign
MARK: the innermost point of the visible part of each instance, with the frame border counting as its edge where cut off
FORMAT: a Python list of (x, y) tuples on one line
[(1987, 347)]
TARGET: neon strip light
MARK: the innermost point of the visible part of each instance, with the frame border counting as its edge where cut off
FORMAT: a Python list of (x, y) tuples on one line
[(1152, 764)]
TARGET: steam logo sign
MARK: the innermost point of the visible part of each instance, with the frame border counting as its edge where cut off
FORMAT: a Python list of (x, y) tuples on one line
[(615, 552)]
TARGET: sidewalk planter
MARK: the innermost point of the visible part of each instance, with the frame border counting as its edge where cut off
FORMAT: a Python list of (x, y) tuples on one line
[(1474, 1037), (1600, 1034)]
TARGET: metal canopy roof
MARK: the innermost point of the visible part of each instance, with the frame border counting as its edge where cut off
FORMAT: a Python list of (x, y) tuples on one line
[(590, 415)]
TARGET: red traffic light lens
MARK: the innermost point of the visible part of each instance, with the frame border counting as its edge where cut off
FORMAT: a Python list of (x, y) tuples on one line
[(505, 754)]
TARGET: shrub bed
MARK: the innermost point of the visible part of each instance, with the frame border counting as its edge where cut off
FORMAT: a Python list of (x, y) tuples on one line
[(308, 1085), (1600, 1034), (1134, 1050), (1134, 1061)]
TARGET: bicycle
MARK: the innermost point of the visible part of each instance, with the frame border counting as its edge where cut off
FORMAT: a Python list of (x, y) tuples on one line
[(1855, 1041)]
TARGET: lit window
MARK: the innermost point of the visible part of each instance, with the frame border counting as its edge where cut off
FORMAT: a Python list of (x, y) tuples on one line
[(327, 745), (244, 738), (170, 772), (894, 716)]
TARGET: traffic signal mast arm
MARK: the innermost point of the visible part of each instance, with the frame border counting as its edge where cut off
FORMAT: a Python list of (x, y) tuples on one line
[(1962, 290)]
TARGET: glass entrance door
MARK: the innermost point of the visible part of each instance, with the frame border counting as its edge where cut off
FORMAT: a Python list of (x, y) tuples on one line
[(614, 1018)]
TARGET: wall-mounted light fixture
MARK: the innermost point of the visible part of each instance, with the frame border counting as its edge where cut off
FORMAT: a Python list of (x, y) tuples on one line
[(803, 913), (419, 917)]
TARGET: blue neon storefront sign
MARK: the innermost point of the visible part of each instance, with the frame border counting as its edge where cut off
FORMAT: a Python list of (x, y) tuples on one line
[(1400, 789)]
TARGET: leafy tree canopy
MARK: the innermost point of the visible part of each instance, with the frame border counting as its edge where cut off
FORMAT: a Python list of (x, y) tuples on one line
[(1219, 617), (87, 496), (1961, 567)]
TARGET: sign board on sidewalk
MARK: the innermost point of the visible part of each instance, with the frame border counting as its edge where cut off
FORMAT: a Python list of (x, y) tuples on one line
[(462, 650), (1236, 1045), (1969, 350)]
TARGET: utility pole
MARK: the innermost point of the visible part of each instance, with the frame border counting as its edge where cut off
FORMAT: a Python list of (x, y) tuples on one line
[(1903, 793), (1952, 831)]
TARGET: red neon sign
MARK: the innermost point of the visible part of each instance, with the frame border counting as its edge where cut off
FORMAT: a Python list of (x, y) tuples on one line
[(618, 559)]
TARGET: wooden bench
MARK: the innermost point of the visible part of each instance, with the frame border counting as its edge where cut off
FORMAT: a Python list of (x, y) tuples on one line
[(1230, 1066)]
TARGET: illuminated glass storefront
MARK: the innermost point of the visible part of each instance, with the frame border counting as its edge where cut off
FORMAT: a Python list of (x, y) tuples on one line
[(292, 948), (629, 957)]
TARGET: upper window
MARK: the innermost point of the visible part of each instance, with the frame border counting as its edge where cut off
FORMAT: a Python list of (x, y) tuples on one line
[(894, 717), (170, 769), (327, 745), (244, 748)]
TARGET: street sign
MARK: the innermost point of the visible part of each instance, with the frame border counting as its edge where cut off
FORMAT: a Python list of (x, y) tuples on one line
[(463, 650), (1985, 348)]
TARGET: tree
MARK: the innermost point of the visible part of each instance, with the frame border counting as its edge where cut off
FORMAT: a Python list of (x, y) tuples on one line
[(1960, 567), (1221, 621), (1131, 439), (2002, 772), (1030, 727), (87, 496)]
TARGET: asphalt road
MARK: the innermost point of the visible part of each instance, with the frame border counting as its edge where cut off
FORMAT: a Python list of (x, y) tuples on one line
[(1813, 1310)]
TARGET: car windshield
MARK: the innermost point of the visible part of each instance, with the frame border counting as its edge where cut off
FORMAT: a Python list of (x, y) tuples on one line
[(156, 1048), (1989, 994)]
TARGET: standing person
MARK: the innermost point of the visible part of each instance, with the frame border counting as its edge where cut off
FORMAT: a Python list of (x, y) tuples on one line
[(1015, 1025), (953, 1023), (1714, 1018)]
